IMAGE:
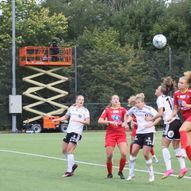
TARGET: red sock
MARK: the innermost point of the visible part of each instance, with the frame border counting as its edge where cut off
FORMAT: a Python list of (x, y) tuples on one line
[(109, 167), (122, 164), (152, 151), (188, 152), (131, 146), (183, 139)]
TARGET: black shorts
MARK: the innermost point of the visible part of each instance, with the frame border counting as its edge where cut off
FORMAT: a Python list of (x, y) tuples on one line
[(171, 131), (72, 137), (146, 139)]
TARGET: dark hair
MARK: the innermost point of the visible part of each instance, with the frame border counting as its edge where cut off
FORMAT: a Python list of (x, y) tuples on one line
[(168, 85)]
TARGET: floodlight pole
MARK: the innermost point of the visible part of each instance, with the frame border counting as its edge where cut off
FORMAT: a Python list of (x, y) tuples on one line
[(14, 119), (170, 60), (75, 72)]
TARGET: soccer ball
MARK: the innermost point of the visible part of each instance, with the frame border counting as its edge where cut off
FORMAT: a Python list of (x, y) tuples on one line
[(159, 41)]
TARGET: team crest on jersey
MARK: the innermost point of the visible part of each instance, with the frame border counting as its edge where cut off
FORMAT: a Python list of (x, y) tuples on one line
[(182, 96), (116, 117), (80, 116)]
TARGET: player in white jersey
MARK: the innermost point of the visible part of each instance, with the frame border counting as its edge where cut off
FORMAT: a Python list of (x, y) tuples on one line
[(145, 134), (171, 130), (79, 116)]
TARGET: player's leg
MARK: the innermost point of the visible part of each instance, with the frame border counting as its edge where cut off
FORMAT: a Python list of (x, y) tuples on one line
[(166, 157), (181, 160), (74, 138), (148, 142), (123, 151), (184, 130), (109, 155), (154, 158), (148, 161), (132, 160), (188, 148)]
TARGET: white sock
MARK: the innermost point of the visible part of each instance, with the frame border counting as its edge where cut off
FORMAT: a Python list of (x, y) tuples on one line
[(181, 160), (167, 158), (150, 167), (70, 160), (131, 165)]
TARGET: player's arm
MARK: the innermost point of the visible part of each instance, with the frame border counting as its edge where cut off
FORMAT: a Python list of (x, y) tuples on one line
[(85, 121), (174, 113), (106, 122), (158, 115), (186, 104), (63, 118)]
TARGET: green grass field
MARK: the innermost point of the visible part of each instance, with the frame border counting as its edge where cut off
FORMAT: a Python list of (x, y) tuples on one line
[(34, 162)]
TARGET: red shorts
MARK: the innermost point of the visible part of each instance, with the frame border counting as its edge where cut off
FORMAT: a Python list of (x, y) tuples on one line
[(133, 132), (111, 139), (188, 119)]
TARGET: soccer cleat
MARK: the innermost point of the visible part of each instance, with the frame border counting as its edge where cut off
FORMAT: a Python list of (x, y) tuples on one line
[(155, 159), (167, 173), (110, 176), (75, 166), (121, 175), (129, 178), (151, 178), (182, 153), (68, 174), (182, 173)]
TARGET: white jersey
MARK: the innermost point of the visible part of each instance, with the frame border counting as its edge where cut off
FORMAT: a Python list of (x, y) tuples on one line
[(140, 115), (76, 114), (166, 102)]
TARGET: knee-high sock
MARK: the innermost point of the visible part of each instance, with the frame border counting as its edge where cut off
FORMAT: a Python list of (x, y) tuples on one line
[(183, 139), (188, 152), (180, 159), (122, 164), (109, 167), (70, 160), (132, 161), (150, 167), (167, 158)]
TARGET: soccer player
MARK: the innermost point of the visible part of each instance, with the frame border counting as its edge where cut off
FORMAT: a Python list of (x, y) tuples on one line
[(131, 103), (114, 116), (182, 102), (79, 116), (171, 130), (145, 135)]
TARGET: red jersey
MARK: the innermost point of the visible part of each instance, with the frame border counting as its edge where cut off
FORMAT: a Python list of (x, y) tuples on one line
[(114, 115), (178, 98)]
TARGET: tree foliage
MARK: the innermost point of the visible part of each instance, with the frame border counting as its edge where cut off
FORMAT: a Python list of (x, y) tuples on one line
[(113, 39)]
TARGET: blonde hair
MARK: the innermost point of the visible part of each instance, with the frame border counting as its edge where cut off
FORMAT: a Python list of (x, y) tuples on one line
[(140, 97), (131, 100), (187, 76)]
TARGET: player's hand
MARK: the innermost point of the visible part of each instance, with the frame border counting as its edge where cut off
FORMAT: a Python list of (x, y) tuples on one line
[(125, 125)]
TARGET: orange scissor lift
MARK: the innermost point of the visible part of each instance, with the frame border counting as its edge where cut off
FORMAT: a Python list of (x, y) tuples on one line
[(45, 63)]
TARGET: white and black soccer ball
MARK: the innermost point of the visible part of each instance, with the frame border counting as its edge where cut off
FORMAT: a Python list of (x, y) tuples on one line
[(159, 41)]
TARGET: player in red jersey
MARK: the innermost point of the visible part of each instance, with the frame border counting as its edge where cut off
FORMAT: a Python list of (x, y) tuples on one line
[(131, 103), (182, 102), (114, 116)]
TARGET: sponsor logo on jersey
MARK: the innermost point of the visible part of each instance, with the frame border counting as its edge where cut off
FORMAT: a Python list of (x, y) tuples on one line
[(116, 117)]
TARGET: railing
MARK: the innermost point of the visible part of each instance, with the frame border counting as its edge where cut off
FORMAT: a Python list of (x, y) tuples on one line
[(40, 55)]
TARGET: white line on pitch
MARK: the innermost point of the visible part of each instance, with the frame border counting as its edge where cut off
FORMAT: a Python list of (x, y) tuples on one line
[(80, 162)]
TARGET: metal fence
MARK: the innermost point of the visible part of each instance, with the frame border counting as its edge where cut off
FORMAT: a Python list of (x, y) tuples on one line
[(95, 111)]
